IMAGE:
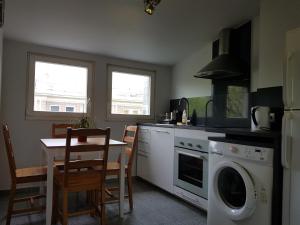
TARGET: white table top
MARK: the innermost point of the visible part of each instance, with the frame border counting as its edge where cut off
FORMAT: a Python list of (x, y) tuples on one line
[(61, 142)]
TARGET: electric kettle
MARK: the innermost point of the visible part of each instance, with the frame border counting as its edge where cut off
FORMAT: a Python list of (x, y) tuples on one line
[(260, 118)]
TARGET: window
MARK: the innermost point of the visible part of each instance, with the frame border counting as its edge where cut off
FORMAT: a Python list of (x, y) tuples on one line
[(131, 93), (237, 102), (230, 103), (69, 109), (54, 84), (54, 108)]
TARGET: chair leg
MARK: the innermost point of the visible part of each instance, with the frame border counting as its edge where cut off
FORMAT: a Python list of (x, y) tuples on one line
[(129, 183), (92, 201), (65, 208), (102, 205), (10, 203), (55, 204)]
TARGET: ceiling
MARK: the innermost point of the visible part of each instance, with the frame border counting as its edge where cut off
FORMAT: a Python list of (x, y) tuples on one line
[(120, 28)]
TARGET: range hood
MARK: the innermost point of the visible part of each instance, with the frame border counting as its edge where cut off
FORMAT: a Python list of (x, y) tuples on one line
[(225, 65)]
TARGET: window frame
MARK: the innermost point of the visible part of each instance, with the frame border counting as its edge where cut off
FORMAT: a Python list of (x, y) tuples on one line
[(136, 71), (43, 115)]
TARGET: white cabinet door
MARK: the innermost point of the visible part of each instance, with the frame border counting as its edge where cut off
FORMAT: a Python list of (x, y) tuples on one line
[(143, 153), (295, 169), (143, 166), (162, 157), (292, 70)]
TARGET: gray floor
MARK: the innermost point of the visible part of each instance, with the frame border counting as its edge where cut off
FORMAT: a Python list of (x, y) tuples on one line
[(151, 207)]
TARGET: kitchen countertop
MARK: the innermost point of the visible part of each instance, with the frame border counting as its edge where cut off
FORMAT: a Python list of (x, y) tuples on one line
[(245, 132), (228, 131), (190, 127)]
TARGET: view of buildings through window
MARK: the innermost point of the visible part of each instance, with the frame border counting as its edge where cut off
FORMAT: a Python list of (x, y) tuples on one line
[(131, 94), (237, 102), (60, 88)]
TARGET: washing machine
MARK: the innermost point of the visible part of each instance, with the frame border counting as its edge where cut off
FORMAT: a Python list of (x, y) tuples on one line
[(240, 184)]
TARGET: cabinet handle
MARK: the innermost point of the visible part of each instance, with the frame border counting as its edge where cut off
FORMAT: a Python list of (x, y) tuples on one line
[(161, 131), (144, 130), (143, 155), (192, 155), (141, 150)]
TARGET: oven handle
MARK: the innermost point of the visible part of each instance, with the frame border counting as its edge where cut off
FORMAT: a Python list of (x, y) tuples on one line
[(192, 155)]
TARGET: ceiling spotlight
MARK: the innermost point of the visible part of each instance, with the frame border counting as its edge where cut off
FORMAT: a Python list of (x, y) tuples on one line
[(150, 5)]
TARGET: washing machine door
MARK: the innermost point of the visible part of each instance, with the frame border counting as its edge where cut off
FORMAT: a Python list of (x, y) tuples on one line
[(234, 190)]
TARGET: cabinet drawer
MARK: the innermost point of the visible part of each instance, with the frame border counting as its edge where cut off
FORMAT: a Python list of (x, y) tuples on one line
[(144, 134), (143, 147)]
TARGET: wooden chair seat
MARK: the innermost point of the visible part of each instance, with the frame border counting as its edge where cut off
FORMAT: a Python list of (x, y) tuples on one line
[(31, 174), (113, 168)]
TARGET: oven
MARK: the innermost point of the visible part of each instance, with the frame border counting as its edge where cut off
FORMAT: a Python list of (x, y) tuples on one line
[(191, 166)]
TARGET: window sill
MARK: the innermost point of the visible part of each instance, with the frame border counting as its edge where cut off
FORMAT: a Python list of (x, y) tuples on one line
[(129, 118), (56, 116)]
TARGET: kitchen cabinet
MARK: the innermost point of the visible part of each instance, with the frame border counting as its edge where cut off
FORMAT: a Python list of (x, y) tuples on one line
[(155, 156), (143, 153), (162, 157)]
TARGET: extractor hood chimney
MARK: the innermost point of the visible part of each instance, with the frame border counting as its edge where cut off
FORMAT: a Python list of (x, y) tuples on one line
[(225, 65)]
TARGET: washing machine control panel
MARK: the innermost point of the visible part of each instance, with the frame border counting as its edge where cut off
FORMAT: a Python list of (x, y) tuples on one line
[(252, 153), (259, 154)]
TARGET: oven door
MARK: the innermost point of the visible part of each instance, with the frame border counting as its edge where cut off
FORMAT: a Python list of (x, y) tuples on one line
[(191, 171)]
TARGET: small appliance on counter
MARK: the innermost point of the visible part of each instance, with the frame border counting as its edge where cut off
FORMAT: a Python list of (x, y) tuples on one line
[(260, 118), (168, 118)]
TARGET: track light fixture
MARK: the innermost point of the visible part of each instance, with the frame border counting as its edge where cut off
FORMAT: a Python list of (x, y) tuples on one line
[(150, 6)]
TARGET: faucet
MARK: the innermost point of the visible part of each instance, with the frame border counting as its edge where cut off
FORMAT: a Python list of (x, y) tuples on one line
[(206, 111), (188, 105)]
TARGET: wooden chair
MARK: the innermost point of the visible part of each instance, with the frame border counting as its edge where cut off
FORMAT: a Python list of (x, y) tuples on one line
[(113, 168), (22, 176), (79, 175), (59, 130)]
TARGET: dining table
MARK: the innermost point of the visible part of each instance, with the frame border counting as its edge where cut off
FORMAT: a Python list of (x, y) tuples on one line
[(55, 148)]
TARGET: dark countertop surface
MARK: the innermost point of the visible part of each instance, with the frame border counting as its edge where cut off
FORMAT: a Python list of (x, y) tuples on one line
[(228, 131), (245, 141), (245, 132), (189, 127)]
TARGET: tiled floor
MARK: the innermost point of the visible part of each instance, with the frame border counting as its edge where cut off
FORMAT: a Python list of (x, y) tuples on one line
[(151, 207)]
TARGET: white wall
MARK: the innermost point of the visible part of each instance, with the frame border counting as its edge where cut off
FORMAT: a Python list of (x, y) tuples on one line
[(276, 18), (269, 29), (183, 82), (26, 133)]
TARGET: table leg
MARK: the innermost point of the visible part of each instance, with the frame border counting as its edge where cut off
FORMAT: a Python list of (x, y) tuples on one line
[(50, 159), (122, 182)]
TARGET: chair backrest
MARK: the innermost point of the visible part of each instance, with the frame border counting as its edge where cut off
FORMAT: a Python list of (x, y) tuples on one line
[(9, 152), (59, 130), (99, 142), (130, 136)]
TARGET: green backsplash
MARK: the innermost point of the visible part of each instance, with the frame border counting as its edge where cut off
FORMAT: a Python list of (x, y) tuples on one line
[(198, 104)]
